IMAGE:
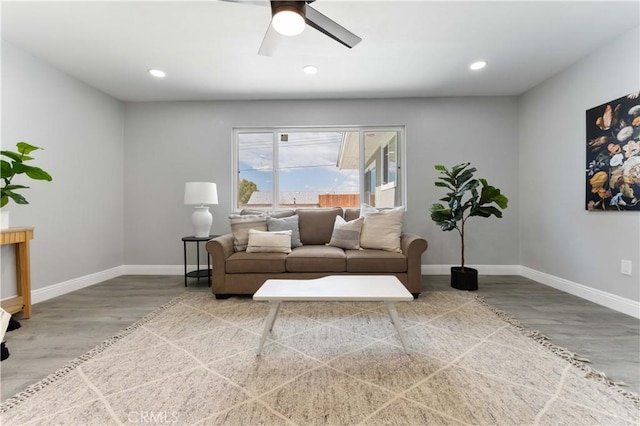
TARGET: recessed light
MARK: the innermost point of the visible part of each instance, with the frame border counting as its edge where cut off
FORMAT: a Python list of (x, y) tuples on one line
[(478, 65), (157, 73), (310, 69)]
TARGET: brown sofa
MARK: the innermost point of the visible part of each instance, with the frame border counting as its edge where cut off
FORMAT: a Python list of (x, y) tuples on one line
[(238, 273)]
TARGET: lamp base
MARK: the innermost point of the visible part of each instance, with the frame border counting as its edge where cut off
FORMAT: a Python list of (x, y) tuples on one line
[(201, 220)]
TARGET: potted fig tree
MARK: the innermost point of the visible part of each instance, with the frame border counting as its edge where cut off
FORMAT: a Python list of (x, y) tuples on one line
[(466, 197)]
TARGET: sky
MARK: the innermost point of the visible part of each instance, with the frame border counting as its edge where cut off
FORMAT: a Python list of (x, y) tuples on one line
[(307, 162)]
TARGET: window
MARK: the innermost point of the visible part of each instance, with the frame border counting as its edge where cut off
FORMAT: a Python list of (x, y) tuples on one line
[(317, 167)]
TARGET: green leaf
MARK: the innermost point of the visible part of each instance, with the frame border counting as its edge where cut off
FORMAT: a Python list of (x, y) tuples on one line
[(38, 174), (436, 206), (486, 211), (12, 187), (455, 170), (19, 199), (502, 201), (447, 226), (13, 155), (469, 186), (440, 168), (3, 201), (5, 169), (25, 148), (31, 171)]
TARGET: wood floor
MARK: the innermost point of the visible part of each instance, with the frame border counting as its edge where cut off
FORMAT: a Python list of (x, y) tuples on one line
[(63, 328)]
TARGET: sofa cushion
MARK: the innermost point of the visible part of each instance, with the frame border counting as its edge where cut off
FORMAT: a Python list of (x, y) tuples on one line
[(269, 242), (316, 225), (316, 258), (243, 262), (374, 261), (346, 235), (286, 224), (381, 228), (240, 226)]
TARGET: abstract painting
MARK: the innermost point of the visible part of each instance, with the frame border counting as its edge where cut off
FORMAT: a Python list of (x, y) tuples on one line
[(613, 155)]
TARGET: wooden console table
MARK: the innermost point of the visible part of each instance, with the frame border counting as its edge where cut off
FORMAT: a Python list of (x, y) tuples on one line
[(22, 302)]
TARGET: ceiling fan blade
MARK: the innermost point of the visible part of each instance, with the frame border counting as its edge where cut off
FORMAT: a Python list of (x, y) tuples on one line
[(331, 28), (269, 42)]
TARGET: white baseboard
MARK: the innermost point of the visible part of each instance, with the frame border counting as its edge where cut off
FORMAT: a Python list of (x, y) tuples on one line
[(158, 269), (620, 304), (482, 269), (55, 290)]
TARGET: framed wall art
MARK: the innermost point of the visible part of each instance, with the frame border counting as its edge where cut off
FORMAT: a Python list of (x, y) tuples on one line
[(613, 155)]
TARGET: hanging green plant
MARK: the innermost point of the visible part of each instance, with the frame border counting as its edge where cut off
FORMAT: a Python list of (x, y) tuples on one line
[(17, 166)]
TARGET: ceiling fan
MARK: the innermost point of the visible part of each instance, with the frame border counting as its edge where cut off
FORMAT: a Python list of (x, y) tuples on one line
[(290, 18)]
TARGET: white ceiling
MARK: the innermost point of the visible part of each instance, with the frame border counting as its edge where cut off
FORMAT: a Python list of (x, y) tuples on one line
[(409, 48)]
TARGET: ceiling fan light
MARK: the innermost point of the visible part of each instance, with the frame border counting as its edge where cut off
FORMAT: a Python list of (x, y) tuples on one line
[(288, 21)]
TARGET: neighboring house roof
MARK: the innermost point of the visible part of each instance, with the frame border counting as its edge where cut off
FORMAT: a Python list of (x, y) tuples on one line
[(286, 198)]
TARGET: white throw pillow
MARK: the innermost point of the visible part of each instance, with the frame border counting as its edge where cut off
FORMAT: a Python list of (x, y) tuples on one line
[(346, 235), (366, 210), (240, 226), (269, 242), (381, 229)]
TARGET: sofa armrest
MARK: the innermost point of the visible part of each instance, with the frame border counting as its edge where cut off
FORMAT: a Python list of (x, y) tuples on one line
[(220, 249), (413, 246)]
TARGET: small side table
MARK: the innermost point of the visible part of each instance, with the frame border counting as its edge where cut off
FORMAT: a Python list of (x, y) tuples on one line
[(20, 237), (198, 273)]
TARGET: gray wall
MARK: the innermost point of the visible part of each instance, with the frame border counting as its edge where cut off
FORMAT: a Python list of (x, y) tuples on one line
[(557, 235), (170, 143), (78, 217)]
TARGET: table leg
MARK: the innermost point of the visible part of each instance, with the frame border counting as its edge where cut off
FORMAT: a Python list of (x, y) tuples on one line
[(23, 269), (393, 314), (184, 244), (198, 260), (268, 325)]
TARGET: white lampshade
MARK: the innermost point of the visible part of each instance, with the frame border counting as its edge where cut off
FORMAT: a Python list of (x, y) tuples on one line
[(288, 20), (200, 193)]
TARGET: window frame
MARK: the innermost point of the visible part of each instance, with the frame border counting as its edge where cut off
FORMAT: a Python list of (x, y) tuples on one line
[(401, 149)]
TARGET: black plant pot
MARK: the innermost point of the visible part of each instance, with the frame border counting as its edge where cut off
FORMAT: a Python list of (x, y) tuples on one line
[(464, 280)]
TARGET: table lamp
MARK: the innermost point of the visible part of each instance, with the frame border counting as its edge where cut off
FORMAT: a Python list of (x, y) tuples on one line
[(200, 194)]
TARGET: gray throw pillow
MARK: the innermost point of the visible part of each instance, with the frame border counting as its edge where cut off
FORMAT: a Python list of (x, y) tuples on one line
[(346, 235), (286, 224)]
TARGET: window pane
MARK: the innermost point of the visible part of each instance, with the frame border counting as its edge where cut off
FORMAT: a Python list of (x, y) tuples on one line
[(318, 169), (381, 154), (255, 170)]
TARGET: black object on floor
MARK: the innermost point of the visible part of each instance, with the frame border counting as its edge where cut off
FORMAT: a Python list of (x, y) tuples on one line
[(4, 352), (13, 325)]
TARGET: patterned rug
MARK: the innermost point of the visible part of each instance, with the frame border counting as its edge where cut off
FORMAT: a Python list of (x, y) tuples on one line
[(326, 363)]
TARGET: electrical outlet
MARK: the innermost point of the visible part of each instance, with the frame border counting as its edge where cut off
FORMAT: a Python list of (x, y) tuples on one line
[(625, 267)]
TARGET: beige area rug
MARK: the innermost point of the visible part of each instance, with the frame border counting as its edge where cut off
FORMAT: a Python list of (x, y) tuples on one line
[(193, 362)]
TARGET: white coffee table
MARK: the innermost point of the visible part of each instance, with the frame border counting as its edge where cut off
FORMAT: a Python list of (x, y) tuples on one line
[(351, 288)]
